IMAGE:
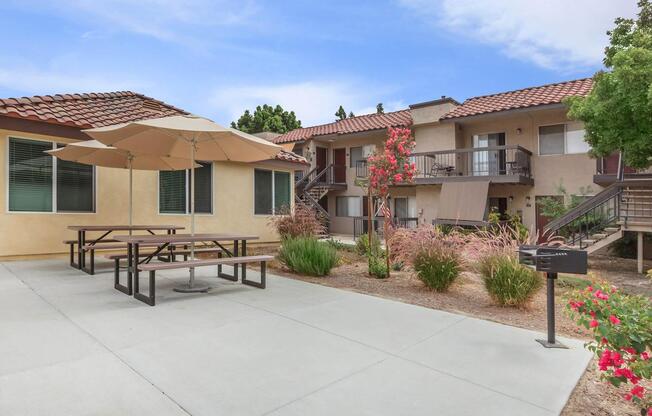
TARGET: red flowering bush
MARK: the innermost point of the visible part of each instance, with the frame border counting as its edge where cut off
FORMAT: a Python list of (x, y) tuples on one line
[(391, 167), (622, 330)]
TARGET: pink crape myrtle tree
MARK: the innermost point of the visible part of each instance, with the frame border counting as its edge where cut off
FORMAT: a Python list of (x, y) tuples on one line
[(392, 166)]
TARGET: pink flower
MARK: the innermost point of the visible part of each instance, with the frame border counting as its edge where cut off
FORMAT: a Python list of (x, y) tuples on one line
[(601, 295), (645, 356), (637, 391), (627, 397), (629, 350), (593, 323), (398, 178), (614, 319)]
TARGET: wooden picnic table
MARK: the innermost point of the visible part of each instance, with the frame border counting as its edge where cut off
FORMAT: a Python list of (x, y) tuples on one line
[(107, 230), (164, 240)]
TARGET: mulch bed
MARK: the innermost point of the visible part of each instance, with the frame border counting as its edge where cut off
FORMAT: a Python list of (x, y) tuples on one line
[(467, 296)]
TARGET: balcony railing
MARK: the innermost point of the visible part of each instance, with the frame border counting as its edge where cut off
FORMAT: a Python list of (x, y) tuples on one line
[(484, 161), (361, 224)]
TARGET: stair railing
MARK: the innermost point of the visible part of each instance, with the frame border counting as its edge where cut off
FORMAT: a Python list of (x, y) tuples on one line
[(596, 213)]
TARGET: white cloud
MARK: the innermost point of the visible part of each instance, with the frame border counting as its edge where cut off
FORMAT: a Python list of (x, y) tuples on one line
[(30, 80), (566, 35), (169, 20), (314, 102)]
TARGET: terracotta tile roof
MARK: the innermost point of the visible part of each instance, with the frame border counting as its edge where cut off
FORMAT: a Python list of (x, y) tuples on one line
[(355, 124), (97, 110), (528, 97), (286, 156), (87, 110)]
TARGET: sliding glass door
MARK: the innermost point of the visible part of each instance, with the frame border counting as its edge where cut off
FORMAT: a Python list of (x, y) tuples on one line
[(488, 162)]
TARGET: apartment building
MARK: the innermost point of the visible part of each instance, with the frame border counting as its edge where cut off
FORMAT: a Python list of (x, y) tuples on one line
[(501, 152)]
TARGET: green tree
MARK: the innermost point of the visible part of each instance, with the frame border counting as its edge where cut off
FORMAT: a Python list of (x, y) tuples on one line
[(267, 118), (340, 113), (380, 109), (617, 114), (351, 115)]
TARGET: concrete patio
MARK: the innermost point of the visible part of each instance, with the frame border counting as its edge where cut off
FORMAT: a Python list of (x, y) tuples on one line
[(72, 345)]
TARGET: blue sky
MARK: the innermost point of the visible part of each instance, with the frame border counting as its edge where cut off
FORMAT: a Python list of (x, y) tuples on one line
[(217, 57)]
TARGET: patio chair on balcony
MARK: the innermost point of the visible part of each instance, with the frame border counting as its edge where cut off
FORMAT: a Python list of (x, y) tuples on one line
[(520, 165), (439, 169)]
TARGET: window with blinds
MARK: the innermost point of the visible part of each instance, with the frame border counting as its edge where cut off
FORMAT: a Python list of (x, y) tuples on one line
[(174, 190), (30, 176), (75, 186), (35, 177), (281, 192), (272, 193), (263, 195)]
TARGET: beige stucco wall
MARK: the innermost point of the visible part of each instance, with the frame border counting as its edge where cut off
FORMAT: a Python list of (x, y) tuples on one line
[(42, 233)]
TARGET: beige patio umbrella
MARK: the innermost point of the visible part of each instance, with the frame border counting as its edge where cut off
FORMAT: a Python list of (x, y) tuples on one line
[(92, 152), (186, 136)]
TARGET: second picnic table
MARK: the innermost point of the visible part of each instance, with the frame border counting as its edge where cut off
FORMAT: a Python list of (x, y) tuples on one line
[(164, 240), (106, 230)]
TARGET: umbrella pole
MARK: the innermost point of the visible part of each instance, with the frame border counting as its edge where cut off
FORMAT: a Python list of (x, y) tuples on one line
[(192, 209), (131, 194), (191, 287)]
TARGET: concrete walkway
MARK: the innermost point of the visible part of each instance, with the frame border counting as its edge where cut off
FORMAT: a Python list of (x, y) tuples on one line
[(72, 345)]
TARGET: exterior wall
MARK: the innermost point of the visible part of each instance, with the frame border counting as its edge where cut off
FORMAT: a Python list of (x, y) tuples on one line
[(43, 233)]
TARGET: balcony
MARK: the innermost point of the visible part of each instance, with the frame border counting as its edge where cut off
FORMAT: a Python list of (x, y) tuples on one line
[(498, 164), (606, 171)]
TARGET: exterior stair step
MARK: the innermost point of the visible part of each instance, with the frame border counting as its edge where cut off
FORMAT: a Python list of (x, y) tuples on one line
[(611, 230), (588, 242), (598, 236)]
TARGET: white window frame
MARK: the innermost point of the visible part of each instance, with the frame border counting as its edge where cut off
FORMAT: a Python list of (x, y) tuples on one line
[(54, 182), (253, 191), (565, 124), (187, 181)]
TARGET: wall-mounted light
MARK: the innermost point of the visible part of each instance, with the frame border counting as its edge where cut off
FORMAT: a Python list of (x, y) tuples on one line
[(519, 130), (511, 198)]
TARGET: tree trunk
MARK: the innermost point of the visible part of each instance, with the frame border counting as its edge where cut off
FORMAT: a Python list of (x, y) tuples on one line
[(388, 217), (370, 215)]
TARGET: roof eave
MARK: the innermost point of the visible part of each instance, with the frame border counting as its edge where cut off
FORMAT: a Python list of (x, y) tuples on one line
[(501, 113)]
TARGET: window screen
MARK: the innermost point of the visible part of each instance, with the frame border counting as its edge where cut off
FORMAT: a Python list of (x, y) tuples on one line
[(281, 192), (355, 154), (75, 186), (263, 192), (203, 188), (551, 140), (172, 192), (30, 176), (347, 206), (575, 139)]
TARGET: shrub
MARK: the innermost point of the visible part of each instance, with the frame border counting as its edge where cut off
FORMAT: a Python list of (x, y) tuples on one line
[(405, 243), (622, 336), (437, 267), (308, 256), (362, 244), (508, 282), (397, 266), (303, 222), (377, 266)]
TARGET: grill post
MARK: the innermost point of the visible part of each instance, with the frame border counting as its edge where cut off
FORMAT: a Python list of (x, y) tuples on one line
[(551, 342)]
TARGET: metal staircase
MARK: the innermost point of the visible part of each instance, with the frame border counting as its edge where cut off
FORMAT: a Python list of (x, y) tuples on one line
[(599, 221), (315, 184)]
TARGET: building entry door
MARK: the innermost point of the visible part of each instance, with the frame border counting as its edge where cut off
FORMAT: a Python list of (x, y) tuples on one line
[(321, 161), (339, 165)]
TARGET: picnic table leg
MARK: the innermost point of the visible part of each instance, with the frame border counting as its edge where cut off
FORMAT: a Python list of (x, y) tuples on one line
[(130, 268), (80, 244), (244, 265), (135, 273), (235, 254)]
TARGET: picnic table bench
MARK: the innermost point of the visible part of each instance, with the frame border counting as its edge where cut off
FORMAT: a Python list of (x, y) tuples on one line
[(236, 257), (84, 245), (150, 298)]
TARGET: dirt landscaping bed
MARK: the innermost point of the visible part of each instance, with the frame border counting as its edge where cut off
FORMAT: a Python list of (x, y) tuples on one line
[(467, 296)]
